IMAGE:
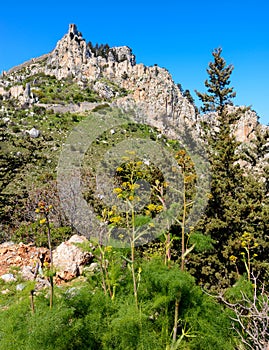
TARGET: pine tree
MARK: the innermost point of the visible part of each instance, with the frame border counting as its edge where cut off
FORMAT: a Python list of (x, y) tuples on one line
[(219, 94), (222, 144), (235, 206)]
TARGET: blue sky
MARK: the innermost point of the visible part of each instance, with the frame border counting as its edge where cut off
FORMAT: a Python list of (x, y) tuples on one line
[(177, 35)]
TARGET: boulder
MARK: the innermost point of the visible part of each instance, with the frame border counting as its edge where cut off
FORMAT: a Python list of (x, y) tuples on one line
[(69, 259), (34, 133), (8, 277), (28, 273), (103, 90)]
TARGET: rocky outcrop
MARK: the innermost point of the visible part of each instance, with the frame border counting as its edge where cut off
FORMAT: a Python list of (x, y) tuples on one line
[(69, 56), (31, 261), (21, 255), (244, 129), (151, 89), (69, 259)]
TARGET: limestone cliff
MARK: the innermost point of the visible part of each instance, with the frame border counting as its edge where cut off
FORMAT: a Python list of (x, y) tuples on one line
[(150, 89)]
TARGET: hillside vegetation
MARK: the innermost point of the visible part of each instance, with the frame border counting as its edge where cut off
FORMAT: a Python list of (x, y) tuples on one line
[(200, 286)]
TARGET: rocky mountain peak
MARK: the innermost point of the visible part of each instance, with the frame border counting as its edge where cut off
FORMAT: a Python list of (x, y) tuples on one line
[(108, 70), (69, 54), (73, 57), (105, 70), (73, 30)]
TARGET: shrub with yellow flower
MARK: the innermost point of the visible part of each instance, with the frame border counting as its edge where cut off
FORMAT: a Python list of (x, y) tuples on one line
[(248, 243)]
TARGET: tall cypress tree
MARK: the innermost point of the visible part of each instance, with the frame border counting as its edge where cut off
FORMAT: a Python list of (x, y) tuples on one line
[(230, 210), (221, 143)]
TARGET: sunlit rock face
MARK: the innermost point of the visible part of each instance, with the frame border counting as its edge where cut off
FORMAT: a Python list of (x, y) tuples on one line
[(150, 90)]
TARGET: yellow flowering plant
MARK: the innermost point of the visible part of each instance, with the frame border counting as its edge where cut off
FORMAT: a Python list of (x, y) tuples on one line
[(43, 210), (127, 185), (248, 243)]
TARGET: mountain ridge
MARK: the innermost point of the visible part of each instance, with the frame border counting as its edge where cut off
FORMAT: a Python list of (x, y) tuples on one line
[(113, 74), (152, 87)]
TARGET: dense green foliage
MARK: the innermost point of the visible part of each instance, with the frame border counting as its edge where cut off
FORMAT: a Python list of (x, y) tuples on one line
[(99, 49), (48, 89), (155, 296), (238, 204), (28, 164), (84, 317)]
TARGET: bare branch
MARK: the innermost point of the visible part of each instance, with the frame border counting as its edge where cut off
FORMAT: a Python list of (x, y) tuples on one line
[(251, 317)]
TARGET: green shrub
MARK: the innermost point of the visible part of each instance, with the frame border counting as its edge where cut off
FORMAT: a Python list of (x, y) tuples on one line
[(35, 233), (198, 315), (83, 317)]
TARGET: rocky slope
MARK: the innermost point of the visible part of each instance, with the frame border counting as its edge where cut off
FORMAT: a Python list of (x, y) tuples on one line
[(95, 75), (150, 90), (31, 261), (112, 76)]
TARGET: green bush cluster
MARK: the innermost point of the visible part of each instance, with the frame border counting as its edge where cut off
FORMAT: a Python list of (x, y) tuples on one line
[(34, 233), (83, 317), (48, 89)]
